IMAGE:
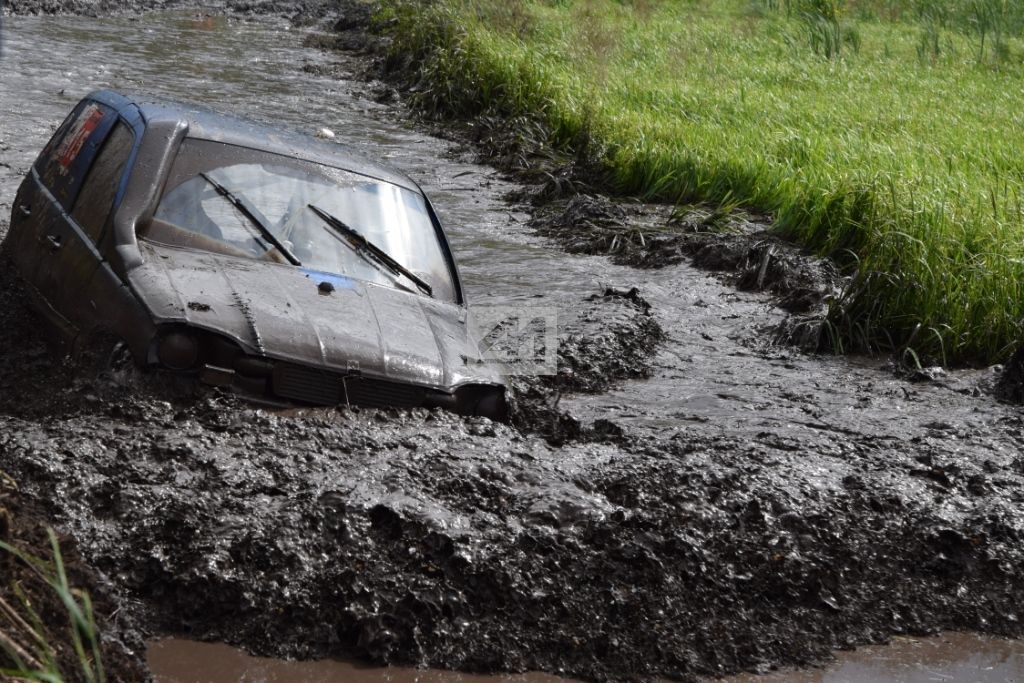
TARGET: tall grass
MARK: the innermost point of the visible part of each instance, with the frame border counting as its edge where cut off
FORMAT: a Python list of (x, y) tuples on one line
[(901, 157), (28, 643)]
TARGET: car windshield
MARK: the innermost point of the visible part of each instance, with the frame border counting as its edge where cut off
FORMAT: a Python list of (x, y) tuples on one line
[(320, 218)]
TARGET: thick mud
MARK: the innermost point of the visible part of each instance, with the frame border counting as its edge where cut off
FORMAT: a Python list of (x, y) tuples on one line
[(681, 499)]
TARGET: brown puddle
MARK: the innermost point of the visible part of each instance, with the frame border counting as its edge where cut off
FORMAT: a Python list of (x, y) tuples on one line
[(949, 658), (173, 660)]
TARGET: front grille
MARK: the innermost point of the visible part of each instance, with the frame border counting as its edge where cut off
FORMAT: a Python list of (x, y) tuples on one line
[(310, 385), (375, 393)]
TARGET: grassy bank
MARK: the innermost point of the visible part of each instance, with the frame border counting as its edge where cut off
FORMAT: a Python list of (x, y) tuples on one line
[(886, 133), (31, 649)]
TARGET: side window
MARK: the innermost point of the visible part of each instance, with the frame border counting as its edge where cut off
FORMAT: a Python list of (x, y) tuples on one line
[(46, 157), (99, 189), (66, 158)]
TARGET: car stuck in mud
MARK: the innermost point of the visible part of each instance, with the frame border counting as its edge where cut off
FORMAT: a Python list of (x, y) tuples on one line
[(285, 267)]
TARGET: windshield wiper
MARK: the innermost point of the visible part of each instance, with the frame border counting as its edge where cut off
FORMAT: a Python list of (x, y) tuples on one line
[(254, 216), (362, 246)]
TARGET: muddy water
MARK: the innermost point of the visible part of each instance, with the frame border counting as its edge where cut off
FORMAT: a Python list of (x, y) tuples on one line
[(951, 657), (760, 506), (180, 661)]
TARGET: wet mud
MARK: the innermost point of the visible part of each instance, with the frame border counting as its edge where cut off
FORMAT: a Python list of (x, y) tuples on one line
[(424, 538), (733, 243), (680, 499)]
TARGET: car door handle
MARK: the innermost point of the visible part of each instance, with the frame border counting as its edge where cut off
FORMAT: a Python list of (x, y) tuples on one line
[(54, 241), (25, 209)]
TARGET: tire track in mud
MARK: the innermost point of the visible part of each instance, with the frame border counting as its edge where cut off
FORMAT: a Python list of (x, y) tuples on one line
[(806, 504)]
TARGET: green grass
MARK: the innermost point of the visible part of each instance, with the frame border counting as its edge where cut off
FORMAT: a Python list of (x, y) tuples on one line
[(885, 133), (27, 644)]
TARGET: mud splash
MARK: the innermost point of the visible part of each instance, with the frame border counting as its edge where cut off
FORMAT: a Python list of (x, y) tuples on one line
[(725, 505)]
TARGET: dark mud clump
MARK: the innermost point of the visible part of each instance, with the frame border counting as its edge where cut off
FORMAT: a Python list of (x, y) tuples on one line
[(349, 30), (615, 338), (93, 8), (1010, 385), (612, 338)]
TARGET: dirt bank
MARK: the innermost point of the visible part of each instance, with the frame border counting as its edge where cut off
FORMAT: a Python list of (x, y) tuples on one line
[(657, 236)]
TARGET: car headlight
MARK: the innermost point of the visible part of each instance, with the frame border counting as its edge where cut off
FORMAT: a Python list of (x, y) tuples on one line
[(178, 350)]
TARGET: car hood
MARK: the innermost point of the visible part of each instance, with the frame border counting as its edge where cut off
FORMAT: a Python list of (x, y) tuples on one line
[(309, 317)]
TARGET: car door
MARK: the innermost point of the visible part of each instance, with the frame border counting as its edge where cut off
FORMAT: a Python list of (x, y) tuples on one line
[(36, 206), (78, 258), (67, 255)]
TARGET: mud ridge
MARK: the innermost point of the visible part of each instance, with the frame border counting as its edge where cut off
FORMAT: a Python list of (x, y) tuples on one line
[(655, 236)]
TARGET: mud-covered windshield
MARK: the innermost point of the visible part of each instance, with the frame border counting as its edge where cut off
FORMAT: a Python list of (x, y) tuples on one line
[(272, 208)]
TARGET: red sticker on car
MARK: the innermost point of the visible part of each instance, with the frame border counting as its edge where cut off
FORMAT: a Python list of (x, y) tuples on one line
[(72, 143)]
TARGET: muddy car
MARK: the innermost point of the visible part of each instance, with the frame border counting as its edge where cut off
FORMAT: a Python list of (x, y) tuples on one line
[(283, 266)]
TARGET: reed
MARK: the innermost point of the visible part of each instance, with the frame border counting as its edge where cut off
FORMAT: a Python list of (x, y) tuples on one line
[(27, 642)]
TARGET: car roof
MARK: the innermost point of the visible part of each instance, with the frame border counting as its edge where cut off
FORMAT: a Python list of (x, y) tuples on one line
[(207, 124)]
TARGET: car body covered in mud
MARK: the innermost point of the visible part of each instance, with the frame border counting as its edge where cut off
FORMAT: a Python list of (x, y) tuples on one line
[(272, 262)]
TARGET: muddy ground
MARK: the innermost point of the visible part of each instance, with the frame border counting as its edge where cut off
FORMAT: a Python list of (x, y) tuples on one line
[(423, 538), (848, 506)]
